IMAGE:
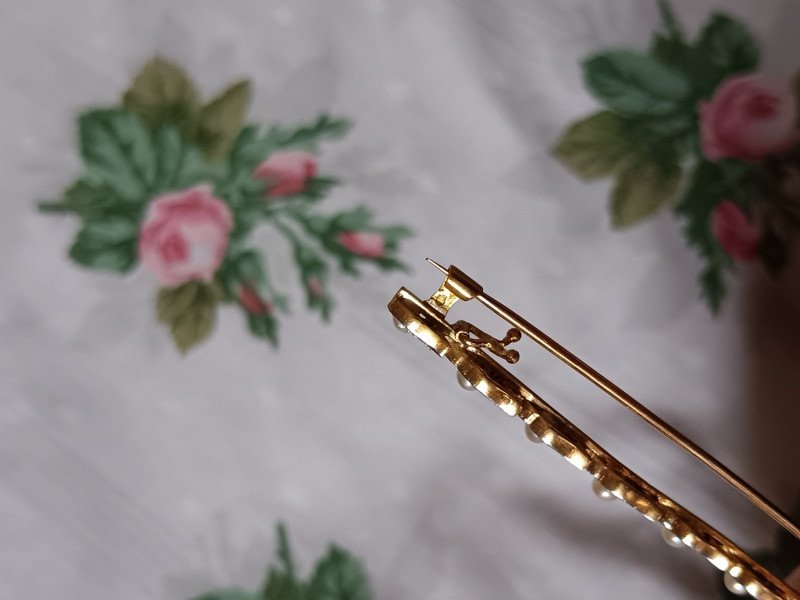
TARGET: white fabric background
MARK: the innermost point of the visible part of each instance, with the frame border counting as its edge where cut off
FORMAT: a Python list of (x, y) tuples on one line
[(130, 472)]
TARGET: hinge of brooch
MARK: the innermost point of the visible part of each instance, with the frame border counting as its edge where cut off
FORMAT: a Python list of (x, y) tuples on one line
[(457, 286)]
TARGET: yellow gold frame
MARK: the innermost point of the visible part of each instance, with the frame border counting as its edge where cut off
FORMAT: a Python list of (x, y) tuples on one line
[(469, 348)]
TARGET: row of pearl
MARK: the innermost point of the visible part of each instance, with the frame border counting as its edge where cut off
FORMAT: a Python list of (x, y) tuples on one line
[(731, 583), (671, 539)]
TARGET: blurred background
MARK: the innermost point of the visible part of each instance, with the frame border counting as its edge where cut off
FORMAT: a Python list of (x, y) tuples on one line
[(130, 471)]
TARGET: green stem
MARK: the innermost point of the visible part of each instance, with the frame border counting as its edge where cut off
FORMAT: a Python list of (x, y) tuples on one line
[(278, 299), (287, 232), (300, 247), (302, 219), (54, 206), (285, 553), (669, 21)]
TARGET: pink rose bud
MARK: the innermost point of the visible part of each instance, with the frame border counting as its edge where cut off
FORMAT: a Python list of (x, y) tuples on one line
[(252, 303), (184, 235), (366, 244), (748, 118), (737, 235), (286, 173), (314, 286)]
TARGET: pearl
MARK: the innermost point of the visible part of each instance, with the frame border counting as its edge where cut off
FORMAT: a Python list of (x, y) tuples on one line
[(670, 538), (733, 585), (601, 492), (398, 324), (532, 436), (464, 382)]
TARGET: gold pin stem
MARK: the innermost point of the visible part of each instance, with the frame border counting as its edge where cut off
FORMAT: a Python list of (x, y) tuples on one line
[(629, 402)]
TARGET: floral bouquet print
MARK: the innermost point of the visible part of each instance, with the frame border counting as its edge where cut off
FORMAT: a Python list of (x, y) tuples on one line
[(338, 575), (692, 125), (178, 186)]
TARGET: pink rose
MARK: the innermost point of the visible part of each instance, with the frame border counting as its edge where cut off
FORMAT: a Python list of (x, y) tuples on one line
[(287, 172), (252, 302), (184, 235), (737, 235), (748, 118), (368, 245)]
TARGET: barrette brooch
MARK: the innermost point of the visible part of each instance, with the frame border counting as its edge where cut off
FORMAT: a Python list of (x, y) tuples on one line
[(476, 355)]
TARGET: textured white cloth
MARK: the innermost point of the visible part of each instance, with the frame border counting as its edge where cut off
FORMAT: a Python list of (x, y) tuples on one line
[(130, 472)]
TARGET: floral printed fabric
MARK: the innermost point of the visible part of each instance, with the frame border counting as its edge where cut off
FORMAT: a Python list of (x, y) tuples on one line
[(689, 124), (133, 473), (178, 186)]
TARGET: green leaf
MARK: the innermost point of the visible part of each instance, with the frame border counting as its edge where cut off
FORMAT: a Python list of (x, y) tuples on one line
[(161, 93), (708, 185), (127, 164), (727, 45), (724, 47), (285, 551), (228, 594), (666, 139), (221, 120), (327, 229), (317, 188), (594, 147), (669, 22), (313, 267), (171, 156), (712, 284), (245, 267), (672, 52), (245, 194), (635, 84), (310, 263), (282, 583), (249, 148), (395, 232), (264, 326), (387, 263), (181, 165), (663, 129), (91, 202), (248, 211), (339, 576), (693, 64), (308, 137), (280, 586), (118, 152), (323, 303), (250, 268), (193, 169), (189, 310), (354, 219), (641, 189), (108, 244), (392, 237)]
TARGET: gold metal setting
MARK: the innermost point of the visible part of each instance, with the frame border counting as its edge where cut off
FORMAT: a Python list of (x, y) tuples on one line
[(467, 347), (481, 339)]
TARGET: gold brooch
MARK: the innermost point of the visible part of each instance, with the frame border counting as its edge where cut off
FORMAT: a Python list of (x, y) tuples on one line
[(474, 353)]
